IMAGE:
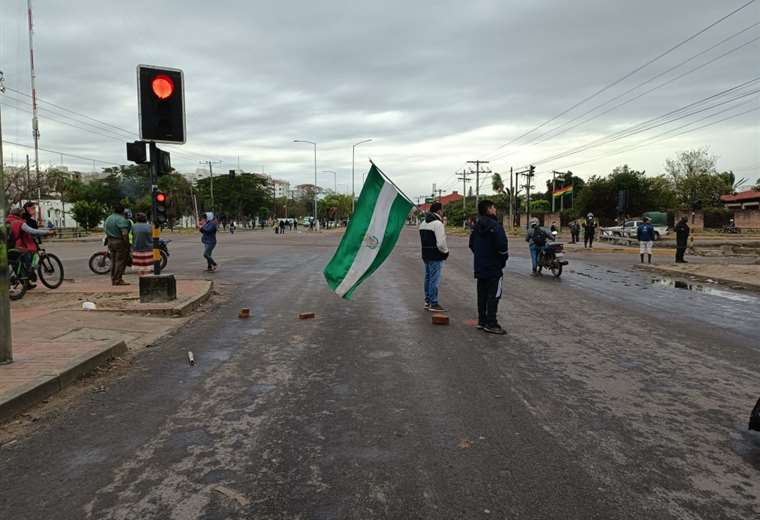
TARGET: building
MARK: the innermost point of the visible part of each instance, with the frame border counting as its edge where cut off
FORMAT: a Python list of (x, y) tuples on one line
[(454, 196), (306, 191), (281, 188), (746, 206)]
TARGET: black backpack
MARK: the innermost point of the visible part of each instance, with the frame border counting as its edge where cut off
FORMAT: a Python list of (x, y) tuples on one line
[(539, 237)]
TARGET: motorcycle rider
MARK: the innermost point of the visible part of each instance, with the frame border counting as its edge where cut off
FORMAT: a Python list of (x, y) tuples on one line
[(536, 239)]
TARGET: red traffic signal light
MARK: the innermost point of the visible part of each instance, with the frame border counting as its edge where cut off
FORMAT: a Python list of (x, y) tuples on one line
[(161, 99), (163, 86), (160, 197)]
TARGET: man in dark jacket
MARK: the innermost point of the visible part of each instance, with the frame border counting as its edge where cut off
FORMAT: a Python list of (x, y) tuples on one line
[(682, 239), (434, 252), (488, 242)]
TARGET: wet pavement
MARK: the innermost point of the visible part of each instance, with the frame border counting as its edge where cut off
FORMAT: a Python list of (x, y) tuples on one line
[(612, 396)]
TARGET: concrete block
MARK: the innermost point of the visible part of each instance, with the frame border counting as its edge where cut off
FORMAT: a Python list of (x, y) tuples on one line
[(245, 312), (161, 288), (306, 316)]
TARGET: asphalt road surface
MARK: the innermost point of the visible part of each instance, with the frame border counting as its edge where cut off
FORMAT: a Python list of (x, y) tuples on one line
[(612, 396)]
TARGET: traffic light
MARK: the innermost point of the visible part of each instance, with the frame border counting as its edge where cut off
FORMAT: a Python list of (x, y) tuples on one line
[(232, 174), (532, 169), (160, 200), (161, 98), (136, 152)]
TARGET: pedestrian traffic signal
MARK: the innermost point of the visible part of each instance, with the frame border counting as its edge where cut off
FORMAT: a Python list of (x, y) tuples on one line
[(161, 101), (159, 202)]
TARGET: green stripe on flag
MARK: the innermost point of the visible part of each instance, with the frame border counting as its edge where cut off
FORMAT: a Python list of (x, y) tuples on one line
[(396, 220), (352, 240)]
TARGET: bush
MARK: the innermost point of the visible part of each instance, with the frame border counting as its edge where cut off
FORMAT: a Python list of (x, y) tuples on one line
[(88, 214)]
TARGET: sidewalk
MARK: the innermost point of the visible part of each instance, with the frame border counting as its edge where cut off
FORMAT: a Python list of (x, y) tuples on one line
[(55, 341)]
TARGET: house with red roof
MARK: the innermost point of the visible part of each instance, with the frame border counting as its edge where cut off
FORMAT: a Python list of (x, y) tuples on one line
[(746, 206), (454, 196)]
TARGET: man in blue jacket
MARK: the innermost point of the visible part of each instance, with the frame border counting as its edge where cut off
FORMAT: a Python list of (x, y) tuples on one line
[(645, 234), (488, 242)]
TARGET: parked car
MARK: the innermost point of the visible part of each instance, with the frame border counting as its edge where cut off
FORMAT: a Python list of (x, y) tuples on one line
[(628, 230)]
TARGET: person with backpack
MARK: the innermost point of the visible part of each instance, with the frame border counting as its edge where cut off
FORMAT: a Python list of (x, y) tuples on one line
[(490, 248), (434, 252), (536, 239), (21, 239), (589, 230)]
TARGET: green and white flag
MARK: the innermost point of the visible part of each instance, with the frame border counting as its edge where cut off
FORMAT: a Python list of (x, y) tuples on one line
[(379, 216)]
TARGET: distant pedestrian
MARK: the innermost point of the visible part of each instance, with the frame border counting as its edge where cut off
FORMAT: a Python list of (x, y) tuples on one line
[(282, 227), (434, 252), (295, 224), (118, 230), (488, 242), (682, 239), (232, 227), (575, 232), (142, 244), (208, 228), (589, 230), (645, 235)]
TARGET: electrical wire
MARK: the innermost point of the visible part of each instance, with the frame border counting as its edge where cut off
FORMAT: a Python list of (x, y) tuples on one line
[(545, 136), (624, 77)]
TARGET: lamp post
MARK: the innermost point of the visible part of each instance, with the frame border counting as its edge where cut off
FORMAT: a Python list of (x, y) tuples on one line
[(335, 179), (316, 222), (353, 187)]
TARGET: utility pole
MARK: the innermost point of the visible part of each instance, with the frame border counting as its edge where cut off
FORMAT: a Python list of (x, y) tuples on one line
[(528, 185), (440, 194), (554, 187), (6, 350), (35, 125), (211, 177), (478, 171), (28, 189), (511, 197), (464, 180)]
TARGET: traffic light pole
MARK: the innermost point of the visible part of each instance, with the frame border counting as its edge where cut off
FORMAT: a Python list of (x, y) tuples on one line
[(154, 166), (6, 350)]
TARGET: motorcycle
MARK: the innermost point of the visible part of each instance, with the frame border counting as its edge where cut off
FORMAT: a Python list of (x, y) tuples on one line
[(100, 262), (551, 258)]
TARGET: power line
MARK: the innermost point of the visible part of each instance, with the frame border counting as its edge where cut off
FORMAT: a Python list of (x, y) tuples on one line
[(58, 152), (545, 136), (624, 77), (654, 122)]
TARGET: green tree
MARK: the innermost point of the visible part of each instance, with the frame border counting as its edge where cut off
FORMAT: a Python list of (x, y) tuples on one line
[(239, 197), (696, 181), (88, 214), (335, 206)]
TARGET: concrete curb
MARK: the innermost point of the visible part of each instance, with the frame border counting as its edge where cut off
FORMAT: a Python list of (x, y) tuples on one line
[(45, 386), (699, 277), (181, 309)]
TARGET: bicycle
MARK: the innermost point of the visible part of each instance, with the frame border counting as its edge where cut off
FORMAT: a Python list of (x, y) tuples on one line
[(49, 268), (100, 262), (16, 276)]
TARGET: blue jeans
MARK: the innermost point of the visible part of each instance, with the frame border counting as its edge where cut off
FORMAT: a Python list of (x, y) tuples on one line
[(432, 280), (534, 256), (207, 250)]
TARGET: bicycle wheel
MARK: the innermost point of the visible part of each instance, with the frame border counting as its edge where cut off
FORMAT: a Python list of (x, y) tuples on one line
[(16, 286), (50, 271), (100, 263)]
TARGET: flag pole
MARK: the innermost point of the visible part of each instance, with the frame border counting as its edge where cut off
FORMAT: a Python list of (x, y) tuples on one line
[(382, 173)]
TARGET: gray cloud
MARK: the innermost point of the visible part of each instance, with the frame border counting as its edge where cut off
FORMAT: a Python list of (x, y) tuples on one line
[(433, 83)]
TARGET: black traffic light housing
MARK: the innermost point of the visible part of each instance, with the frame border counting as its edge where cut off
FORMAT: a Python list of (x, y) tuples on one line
[(161, 202), (136, 152), (161, 100)]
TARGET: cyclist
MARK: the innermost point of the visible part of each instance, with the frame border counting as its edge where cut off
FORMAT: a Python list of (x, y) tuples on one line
[(21, 238)]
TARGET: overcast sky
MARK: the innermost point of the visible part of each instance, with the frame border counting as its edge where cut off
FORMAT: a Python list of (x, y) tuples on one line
[(434, 84)]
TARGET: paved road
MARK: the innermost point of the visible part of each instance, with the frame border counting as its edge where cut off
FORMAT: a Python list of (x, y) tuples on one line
[(611, 397)]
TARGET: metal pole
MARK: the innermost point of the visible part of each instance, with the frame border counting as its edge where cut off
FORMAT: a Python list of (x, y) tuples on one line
[(28, 189), (153, 209), (316, 222), (35, 125), (353, 160), (211, 174), (554, 188), (6, 347)]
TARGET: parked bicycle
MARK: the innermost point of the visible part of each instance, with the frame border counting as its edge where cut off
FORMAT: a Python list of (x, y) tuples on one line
[(100, 262)]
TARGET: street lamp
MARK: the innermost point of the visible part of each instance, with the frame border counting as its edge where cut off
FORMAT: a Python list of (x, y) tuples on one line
[(335, 179), (353, 160), (316, 222)]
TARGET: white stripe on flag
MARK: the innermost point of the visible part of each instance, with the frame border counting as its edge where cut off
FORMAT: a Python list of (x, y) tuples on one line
[(365, 256)]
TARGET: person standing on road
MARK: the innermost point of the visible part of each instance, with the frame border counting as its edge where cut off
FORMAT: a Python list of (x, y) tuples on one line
[(490, 248), (682, 239), (118, 229), (589, 230), (434, 252), (575, 232), (208, 230), (645, 235), (142, 244)]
